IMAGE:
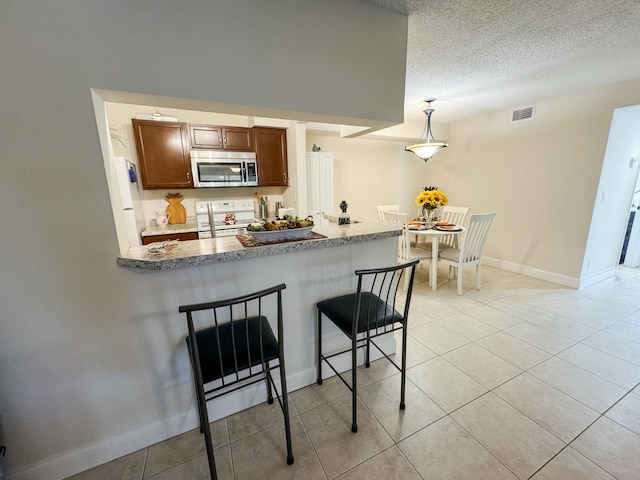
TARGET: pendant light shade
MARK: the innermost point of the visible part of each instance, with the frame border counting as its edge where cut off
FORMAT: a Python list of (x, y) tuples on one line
[(430, 147)]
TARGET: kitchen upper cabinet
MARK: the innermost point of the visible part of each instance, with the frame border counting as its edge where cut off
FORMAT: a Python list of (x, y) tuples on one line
[(205, 136), (163, 154), (237, 138), (271, 156), (213, 137)]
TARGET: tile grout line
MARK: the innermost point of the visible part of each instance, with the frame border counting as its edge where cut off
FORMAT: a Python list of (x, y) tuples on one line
[(603, 414)]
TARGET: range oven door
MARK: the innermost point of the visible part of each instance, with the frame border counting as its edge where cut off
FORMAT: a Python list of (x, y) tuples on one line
[(230, 232), (225, 232)]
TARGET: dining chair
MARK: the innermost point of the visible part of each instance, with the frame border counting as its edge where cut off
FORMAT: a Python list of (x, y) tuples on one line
[(406, 250), (449, 214), (387, 208), (455, 215), (231, 345), (469, 253), (364, 315)]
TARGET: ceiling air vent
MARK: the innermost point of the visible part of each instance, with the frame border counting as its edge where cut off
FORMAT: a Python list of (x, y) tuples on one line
[(525, 113)]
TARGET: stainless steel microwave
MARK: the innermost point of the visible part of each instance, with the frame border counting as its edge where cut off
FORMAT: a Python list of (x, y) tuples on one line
[(217, 168)]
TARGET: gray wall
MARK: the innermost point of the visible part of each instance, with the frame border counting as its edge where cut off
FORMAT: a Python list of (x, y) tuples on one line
[(76, 365)]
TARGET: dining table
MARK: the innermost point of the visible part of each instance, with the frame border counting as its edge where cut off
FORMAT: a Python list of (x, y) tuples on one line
[(434, 234)]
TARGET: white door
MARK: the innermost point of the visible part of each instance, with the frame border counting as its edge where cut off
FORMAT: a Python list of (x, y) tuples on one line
[(320, 185)]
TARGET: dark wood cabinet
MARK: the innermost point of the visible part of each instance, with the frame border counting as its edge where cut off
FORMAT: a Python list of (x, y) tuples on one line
[(170, 236), (271, 155), (213, 137), (163, 154), (205, 136), (237, 138)]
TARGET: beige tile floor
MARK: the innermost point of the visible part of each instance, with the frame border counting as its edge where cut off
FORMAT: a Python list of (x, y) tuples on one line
[(524, 379)]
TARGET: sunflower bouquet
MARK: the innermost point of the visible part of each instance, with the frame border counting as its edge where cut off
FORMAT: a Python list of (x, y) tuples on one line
[(431, 198)]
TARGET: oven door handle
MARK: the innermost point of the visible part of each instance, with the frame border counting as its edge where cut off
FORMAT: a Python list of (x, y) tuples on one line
[(211, 221)]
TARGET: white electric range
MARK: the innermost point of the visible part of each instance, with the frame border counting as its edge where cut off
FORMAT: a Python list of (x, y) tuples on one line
[(229, 217)]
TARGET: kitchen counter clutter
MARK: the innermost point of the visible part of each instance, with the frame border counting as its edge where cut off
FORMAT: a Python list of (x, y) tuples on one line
[(183, 254)]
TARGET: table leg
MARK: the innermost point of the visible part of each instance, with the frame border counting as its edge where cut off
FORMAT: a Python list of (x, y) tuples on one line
[(434, 263)]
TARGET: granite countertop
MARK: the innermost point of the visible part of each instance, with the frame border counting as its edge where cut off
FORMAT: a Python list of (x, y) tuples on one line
[(226, 249), (171, 228)]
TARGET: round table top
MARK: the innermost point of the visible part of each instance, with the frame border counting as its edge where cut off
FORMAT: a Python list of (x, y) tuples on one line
[(432, 232)]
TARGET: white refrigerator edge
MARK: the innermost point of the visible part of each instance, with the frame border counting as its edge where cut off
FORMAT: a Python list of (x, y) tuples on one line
[(131, 200)]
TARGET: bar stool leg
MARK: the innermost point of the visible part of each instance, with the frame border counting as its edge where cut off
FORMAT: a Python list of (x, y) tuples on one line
[(403, 373), (195, 382), (319, 348), (367, 363), (268, 379), (285, 409), (354, 384), (204, 416)]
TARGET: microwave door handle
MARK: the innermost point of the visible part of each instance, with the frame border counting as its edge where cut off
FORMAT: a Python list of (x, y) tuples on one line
[(245, 175)]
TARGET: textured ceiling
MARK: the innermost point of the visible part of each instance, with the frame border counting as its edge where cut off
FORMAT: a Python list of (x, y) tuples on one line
[(476, 56)]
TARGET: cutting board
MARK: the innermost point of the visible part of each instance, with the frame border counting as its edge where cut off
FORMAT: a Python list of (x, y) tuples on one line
[(175, 209)]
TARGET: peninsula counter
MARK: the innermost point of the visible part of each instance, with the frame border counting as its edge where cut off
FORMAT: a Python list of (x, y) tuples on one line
[(226, 249), (220, 268)]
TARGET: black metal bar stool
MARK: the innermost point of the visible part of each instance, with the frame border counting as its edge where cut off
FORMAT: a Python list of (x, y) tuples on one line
[(364, 315), (231, 345)]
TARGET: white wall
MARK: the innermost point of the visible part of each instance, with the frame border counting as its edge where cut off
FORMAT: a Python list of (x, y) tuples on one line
[(84, 348), (375, 172), (541, 176), (614, 196)]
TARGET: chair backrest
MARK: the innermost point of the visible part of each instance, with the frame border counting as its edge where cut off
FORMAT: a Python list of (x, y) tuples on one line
[(403, 240), (455, 215), (387, 208), (231, 340), (472, 241), (377, 296)]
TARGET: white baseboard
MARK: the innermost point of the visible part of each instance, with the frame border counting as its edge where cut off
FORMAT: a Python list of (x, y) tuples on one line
[(532, 272), (597, 277)]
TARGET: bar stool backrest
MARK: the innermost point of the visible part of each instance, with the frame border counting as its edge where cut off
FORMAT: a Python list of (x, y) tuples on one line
[(233, 338), (378, 292), (232, 345)]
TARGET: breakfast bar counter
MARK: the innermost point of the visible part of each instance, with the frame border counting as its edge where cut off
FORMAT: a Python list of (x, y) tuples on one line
[(221, 268), (191, 253)]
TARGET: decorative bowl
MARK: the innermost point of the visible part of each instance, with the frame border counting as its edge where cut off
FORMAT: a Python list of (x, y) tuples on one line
[(290, 234)]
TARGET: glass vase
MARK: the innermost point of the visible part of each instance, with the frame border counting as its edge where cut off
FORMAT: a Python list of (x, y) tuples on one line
[(428, 214)]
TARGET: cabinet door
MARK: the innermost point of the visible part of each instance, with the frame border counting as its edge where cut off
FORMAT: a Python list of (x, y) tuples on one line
[(271, 155), (163, 154), (237, 138), (320, 185), (169, 237), (205, 136)]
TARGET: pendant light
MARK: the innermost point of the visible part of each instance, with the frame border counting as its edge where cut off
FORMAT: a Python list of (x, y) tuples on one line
[(428, 149)]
